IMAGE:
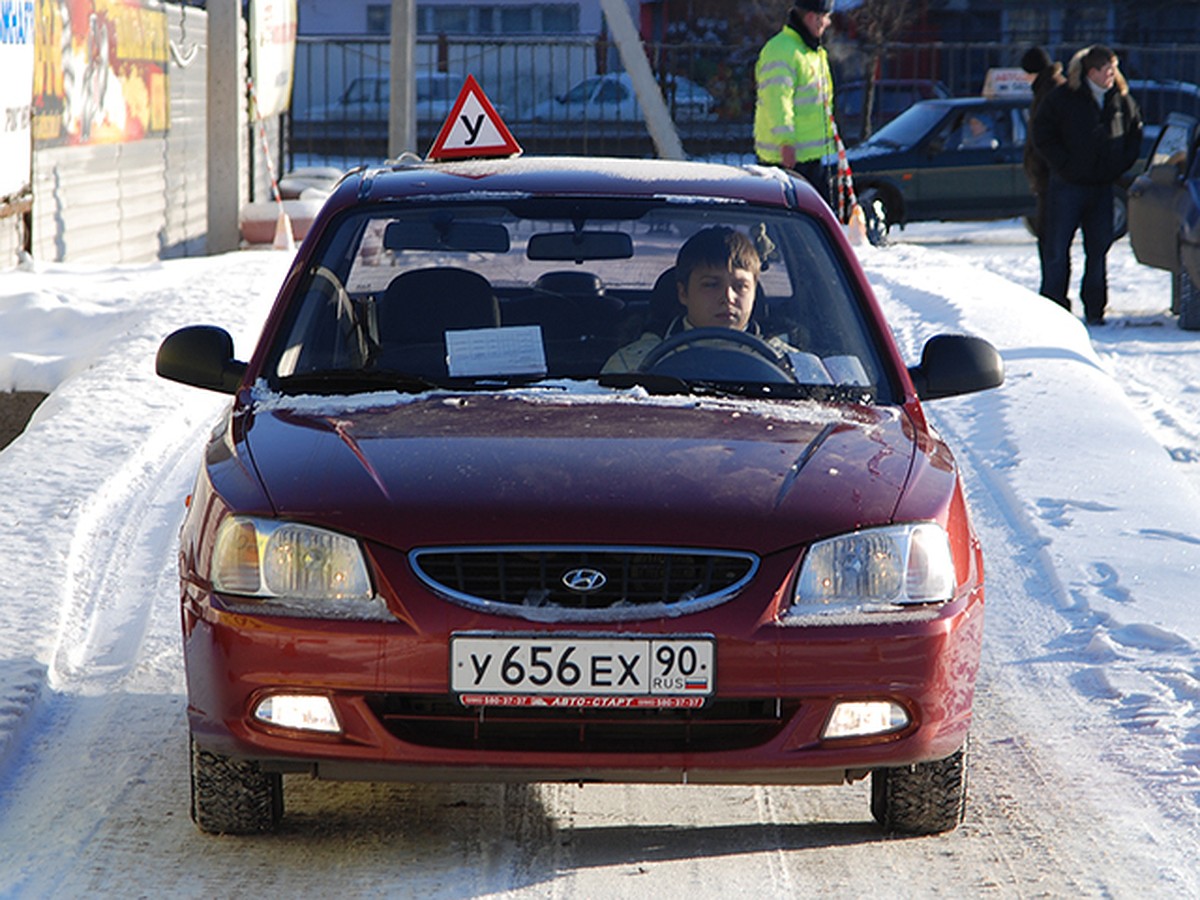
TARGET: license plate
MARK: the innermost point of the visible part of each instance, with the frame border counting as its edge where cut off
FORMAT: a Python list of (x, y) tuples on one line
[(582, 667)]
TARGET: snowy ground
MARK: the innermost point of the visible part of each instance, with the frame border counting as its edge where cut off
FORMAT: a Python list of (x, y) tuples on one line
[(1083, 474)]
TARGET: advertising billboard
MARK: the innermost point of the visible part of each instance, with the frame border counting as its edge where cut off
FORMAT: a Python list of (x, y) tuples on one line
[(100, 71)]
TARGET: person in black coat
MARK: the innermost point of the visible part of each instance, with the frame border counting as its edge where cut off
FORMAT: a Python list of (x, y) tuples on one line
[(1089, 132), (1047, 75)]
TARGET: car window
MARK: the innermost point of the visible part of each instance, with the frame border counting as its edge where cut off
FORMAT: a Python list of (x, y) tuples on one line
[(1020, 123), (361, 90), (611, 92), (894, 100), (850, 100), (981, 128), (582, 92), (910, 126), (1172, 146), (540, 289)]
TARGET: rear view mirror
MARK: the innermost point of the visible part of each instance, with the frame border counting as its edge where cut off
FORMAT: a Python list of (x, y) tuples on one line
[(580, 245), (477, 237)]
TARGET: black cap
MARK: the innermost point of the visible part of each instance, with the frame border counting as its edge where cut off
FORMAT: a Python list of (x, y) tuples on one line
[(1035, 60), (817, 6)]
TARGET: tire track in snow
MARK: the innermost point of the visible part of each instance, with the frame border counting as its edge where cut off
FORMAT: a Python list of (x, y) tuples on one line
[(1026, 580), (120, 562)]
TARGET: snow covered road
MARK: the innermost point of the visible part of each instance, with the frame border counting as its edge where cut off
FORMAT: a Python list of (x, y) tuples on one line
[(1086, 753)]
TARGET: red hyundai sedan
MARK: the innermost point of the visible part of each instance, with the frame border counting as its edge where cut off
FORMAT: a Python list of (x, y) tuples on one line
[(554, 469)]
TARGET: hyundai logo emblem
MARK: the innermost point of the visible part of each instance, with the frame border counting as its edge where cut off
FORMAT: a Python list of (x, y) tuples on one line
[(584, 581)]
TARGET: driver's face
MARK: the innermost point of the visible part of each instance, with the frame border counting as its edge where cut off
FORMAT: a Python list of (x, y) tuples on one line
[(717, 297)]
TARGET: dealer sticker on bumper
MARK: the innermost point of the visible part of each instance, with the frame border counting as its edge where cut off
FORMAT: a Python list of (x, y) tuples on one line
[(578, 667)]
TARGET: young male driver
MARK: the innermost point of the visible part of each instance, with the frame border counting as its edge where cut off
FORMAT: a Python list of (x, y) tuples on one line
[(716, 279)]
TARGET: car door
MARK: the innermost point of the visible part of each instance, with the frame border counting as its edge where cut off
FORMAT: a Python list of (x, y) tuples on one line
[(972, 167), (1158, 197)]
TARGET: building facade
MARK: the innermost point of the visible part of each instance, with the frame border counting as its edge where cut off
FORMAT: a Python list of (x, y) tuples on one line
[(499, 18)]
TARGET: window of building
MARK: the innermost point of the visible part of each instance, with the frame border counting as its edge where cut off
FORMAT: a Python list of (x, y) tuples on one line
[(451, 19), (379, 18), (516, 20), (485, 19), (560, 18), (527, 18)]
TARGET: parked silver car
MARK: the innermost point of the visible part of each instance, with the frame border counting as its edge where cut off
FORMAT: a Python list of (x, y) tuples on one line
[(361, 112), (1164, 214), (611, 98)]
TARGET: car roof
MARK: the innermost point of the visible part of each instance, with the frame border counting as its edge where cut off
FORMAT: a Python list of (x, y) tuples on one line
[(977, 100), (1144, 84), (564, 176), (896, 82)]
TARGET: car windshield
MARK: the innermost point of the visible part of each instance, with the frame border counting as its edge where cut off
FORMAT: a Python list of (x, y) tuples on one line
[(909, 127), (582, 92), (566, 293)]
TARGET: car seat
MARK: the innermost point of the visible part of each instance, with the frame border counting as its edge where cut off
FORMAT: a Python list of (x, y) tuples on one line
[(421, 305)]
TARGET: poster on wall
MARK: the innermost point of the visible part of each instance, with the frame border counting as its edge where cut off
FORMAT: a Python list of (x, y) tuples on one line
[(100, 71), (16, 89), (273, 32)]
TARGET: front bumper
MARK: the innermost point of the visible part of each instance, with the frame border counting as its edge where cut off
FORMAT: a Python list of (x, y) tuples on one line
[(389, 684)]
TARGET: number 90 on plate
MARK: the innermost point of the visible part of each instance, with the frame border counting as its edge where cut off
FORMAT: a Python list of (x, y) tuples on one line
[(616, 666)]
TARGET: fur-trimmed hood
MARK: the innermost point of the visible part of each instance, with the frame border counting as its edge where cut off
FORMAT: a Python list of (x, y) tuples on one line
[(1075, 73)]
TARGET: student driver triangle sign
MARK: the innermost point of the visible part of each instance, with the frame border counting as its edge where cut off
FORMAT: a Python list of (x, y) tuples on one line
[(473, 128)]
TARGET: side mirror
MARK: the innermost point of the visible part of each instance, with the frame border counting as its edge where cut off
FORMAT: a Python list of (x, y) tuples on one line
[(200, 356), (953, 364), (935, 147)]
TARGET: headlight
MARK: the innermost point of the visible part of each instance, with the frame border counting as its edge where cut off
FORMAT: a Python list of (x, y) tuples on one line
[(270, 559), (876, 568)]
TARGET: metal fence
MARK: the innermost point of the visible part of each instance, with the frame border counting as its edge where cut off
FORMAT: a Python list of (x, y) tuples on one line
[(340, 106)]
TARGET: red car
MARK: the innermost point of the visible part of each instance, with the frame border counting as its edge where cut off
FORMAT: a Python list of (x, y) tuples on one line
[(494, 502)]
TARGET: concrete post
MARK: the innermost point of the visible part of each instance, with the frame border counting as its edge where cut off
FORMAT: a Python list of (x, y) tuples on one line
[(650, 98), (226, 93), (402, 115)]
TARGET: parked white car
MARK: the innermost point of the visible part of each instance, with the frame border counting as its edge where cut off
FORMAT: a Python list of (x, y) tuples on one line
[(362, 110), (611, 98)]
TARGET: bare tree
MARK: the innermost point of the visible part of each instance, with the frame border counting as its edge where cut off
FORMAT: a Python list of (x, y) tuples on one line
[(879, 22)]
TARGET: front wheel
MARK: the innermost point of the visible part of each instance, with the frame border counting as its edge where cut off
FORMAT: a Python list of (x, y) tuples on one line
[(233, 796), (925, 798)]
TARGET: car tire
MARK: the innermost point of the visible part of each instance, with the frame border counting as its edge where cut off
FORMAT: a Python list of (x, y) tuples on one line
[(875, 212), (233, 796), (1188, 295), (925, 798)]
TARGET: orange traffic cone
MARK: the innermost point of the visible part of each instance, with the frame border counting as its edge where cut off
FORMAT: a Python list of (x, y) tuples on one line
[(856, 227), (283, 232)]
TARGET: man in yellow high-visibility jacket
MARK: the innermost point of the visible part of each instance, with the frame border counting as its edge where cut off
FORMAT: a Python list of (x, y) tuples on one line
[(795, 96)]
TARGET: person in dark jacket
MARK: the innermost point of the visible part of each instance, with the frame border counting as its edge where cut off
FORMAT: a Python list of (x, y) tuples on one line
[(1047, 75), (1089, 132)]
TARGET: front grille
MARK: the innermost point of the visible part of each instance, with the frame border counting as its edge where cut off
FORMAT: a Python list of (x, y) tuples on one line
[(441, 721), (580, 583)]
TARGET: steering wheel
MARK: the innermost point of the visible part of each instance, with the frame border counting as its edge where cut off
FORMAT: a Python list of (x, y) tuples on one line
[(744, 357)]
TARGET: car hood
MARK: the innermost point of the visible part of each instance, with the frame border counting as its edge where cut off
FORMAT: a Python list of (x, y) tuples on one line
[(505, 468)]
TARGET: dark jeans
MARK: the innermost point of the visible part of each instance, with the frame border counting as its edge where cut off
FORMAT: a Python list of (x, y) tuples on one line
[(1068, 208)]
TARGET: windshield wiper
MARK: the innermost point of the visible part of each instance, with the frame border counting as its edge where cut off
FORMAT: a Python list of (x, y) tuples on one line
[(667, 384), (353, 381), (343, 381)]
